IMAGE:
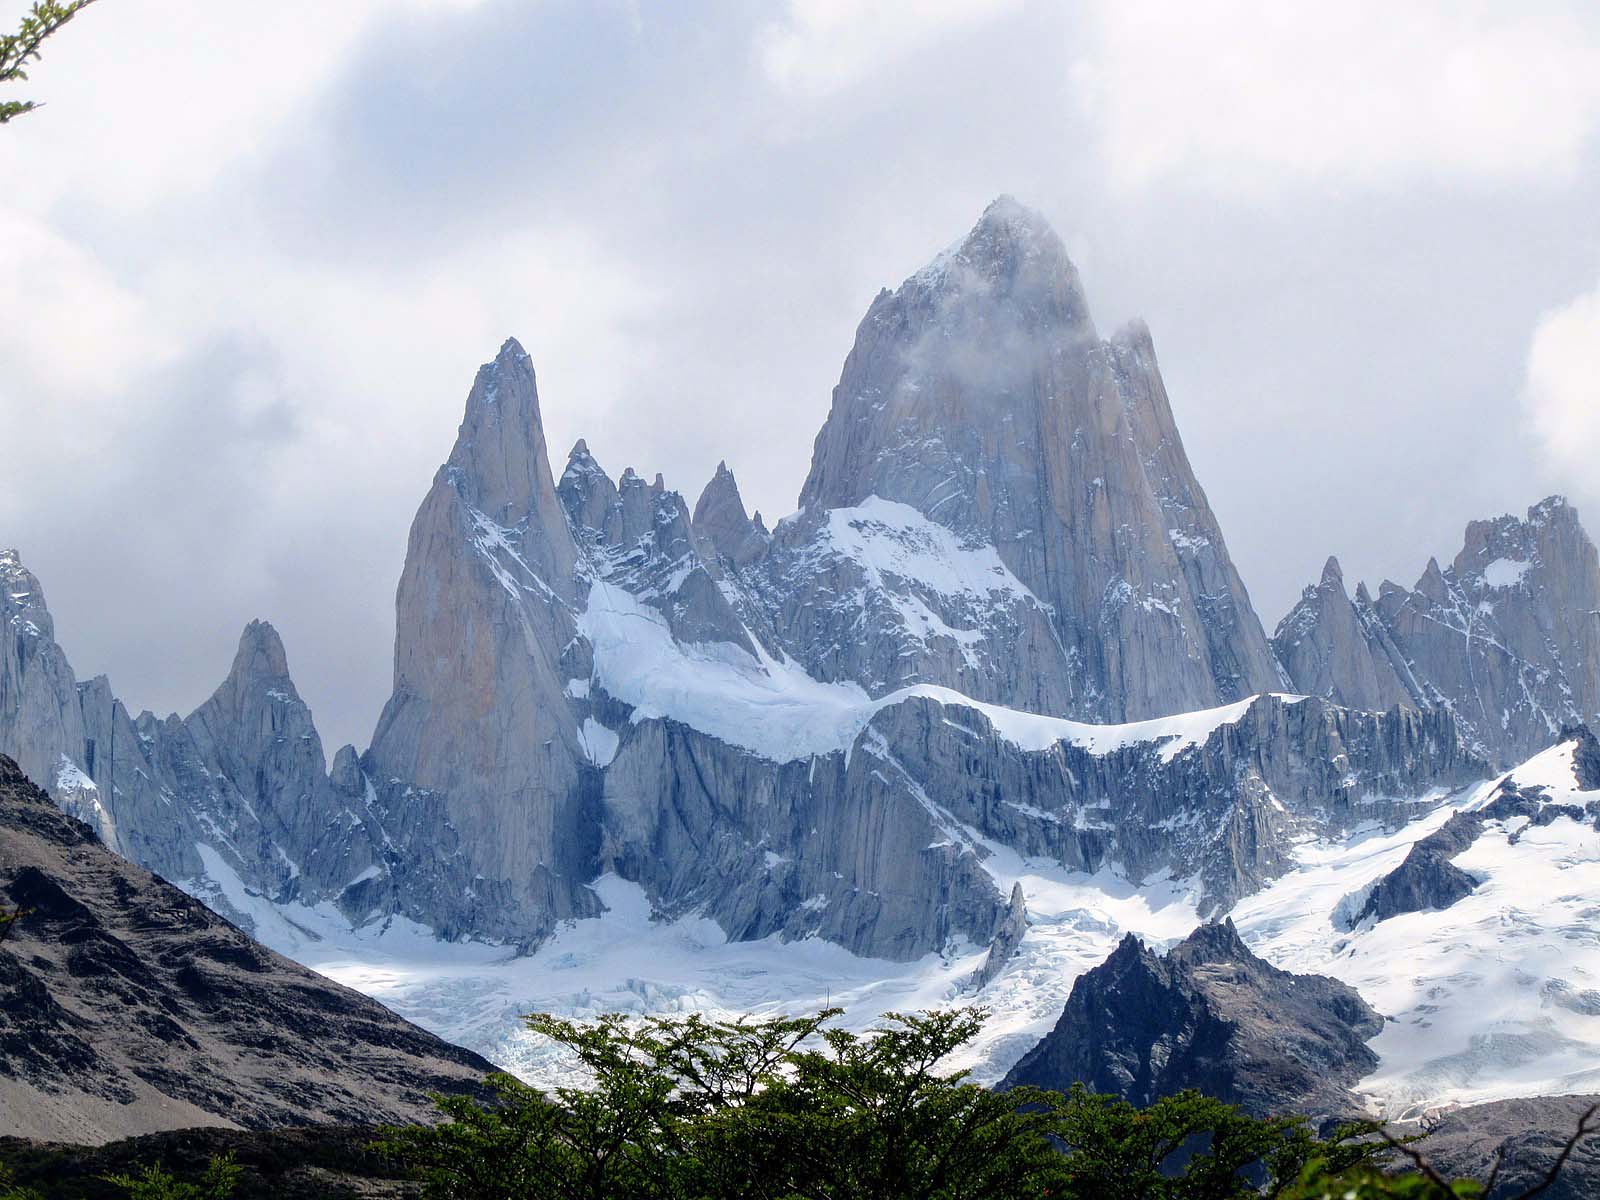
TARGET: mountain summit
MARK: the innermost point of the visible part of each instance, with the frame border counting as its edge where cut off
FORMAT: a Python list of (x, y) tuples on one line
[(979, 395)]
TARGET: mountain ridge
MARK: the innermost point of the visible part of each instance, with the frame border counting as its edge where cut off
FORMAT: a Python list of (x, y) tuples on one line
[(1000, 530)]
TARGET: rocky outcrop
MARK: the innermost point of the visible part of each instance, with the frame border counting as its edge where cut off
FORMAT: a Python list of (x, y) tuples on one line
[(1327, 646), (722, 529), (1006, 941), (1427, 879), (1525, 1137), (232, 799), (980, 397), (1507, 637), (1208, 1015), (476, 760), (126, 1006)]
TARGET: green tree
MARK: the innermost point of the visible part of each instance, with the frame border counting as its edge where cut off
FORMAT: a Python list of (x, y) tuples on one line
[(9, 1190), (19, 49), (791, 1109), (154, 1183)]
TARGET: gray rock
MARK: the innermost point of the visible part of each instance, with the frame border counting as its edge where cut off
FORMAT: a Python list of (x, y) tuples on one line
[(722, 529), (1212, 1016), (1006, 941), (1464, 1143), (1425, 881), (126, 1006), (476, 760), (1507, 637), (1337, 649), (980, 395)]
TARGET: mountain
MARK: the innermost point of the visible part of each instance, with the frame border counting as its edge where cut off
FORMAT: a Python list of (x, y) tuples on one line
[(1470, 928), (980, 410), (1212, 1016), (993, 698), (477, 756), (126, 1006), (812, 730), (830, 728), (1507, 638), (235, 797)]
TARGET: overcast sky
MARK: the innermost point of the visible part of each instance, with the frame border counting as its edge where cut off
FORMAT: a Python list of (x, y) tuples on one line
[(252, 261)]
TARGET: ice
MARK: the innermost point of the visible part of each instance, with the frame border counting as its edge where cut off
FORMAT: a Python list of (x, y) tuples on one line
[(1487, 999), (1505, 572), (627, 961), (773, 708), (599, 743)]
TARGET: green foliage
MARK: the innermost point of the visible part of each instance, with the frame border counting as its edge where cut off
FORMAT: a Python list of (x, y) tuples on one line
[(1369, 1183), (790, 1109), (1192, 1147), (18, 49), (9, 1190), (153, 1183)]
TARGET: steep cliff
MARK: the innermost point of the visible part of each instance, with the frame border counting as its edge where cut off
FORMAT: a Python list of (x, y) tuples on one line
[(1209, 1015), (126, 1006), (1507, 637), (981, 404)]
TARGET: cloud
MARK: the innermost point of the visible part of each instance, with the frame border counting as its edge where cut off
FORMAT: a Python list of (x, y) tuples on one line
[(252, 271), (823, 46), (1249, 97), (1562, 395)]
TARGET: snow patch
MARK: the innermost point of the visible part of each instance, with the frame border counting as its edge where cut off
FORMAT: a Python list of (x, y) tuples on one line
[(1505, 572), (1484, 999), (599, 743)]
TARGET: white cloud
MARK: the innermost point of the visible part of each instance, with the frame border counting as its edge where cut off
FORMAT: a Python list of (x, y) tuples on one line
[(65, 315), (1244, 96), (144, 99), (1563, 391), (823, 46)]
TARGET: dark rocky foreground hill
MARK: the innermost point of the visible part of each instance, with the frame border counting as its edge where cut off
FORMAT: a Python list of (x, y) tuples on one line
[(1212, 1016), (127, 1007), (330, 1162), (1528, 1134)]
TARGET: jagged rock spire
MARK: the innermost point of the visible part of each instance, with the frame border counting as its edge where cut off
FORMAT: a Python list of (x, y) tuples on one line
[(1507, 637), (721, 527), (979, 394)]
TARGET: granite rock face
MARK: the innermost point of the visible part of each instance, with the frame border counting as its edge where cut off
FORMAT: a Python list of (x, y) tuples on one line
[(1507, 637), (232, 799), (980, 397), (1208, 1015), (127, 1006), (476, 760), (820, 729)]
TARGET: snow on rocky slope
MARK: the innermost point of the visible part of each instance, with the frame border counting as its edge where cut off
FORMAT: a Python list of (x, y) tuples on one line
[(1497, 994), (672, 757)]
